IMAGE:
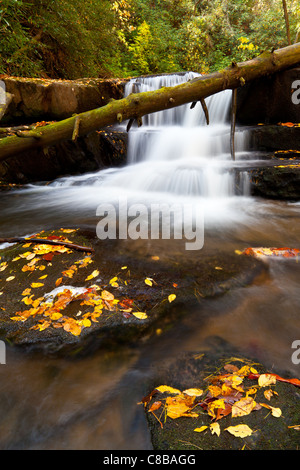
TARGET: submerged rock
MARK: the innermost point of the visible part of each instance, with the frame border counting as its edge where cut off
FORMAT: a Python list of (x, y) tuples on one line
[(57, 299)]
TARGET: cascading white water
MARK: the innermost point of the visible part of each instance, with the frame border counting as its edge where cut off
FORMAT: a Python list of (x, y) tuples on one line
[(174, 157), (175, 151)]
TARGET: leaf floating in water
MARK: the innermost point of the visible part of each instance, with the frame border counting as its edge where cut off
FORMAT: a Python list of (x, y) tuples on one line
[(263, 252)]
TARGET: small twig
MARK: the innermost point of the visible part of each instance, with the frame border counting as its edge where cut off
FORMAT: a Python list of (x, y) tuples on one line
[(204, 107)]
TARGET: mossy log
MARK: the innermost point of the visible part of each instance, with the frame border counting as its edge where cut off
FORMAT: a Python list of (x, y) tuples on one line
[(137, 105)]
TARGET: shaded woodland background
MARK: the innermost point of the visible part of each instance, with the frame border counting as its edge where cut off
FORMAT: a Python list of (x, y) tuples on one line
[(72, 39)]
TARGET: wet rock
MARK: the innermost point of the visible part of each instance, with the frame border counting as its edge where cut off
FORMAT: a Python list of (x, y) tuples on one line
[(97, 150), (274, 137), (37, 316), (269, 99), (281, 182), (193, 371)]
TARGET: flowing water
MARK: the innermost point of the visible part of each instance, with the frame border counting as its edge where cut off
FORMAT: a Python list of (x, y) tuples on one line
[(175, 157)]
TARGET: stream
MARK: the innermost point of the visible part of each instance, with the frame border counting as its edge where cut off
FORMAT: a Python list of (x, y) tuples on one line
[(91, 402)]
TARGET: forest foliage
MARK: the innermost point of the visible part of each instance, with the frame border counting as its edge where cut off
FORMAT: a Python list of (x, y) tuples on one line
[(119, 38)]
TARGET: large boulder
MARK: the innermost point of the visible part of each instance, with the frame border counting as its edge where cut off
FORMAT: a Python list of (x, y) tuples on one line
[(44, 99), (56, 299)]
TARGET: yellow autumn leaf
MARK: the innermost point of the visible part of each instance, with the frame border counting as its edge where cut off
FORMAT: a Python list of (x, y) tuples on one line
[(24, 255), (269, 393), (26, 291), (86, 322), (55, 316), (215, 405), (241, 430), (193, 392), (166, 388), (41, 326), (27, 300), (95, 273), (10, 278), (43, 277), (140, 315), (107, 295), (276, 412), (243, 407), (214, 390), (179, 406), (36, 284), (201, 429), (266, 379), (58, 281), (215, 428), (171, 297)]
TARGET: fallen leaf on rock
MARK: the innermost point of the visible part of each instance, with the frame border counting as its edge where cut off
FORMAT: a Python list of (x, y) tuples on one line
[(95, 273), (36, 284), (240, 430), (215, 428), (265, 380), (201, 429), (268, 394), (148, 281), (171, 297), (193, 392), (166, 388), (10, 278), (180, 406), (275, 411), (155, 406), (243, 407), (140, 315)]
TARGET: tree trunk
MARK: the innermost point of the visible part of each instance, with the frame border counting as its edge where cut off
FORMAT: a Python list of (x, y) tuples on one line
[(287, 23), (137, 105)]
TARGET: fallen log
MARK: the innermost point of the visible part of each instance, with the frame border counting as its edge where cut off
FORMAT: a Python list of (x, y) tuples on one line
[(137, 105)]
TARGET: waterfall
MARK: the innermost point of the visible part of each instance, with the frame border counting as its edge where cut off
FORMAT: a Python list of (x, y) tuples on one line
[(174, 157), (175, 151)]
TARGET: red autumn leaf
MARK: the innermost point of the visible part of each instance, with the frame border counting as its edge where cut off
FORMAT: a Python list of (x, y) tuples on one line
[(126, 303), (48, 256)]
